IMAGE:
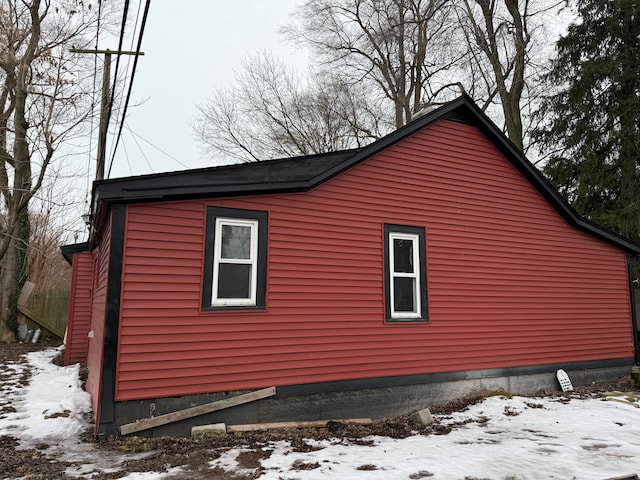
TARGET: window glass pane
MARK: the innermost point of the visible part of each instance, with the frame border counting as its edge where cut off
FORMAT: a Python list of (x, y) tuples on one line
[(402, 255), (403, 294), (234, 281), (236, 241)]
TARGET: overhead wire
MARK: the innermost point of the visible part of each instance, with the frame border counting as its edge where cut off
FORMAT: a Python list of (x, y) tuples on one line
[(141, 151), (133, 74), (125, 75), (126, 156), (136, 134), (120, 42)]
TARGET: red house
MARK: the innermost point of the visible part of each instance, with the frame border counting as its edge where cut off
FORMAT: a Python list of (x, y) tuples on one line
[(368, 282)]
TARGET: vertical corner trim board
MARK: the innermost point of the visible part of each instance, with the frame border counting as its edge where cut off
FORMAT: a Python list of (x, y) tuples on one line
[(148, 423)]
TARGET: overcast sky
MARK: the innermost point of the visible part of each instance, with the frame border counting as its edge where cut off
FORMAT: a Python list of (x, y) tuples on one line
[(190, 48)]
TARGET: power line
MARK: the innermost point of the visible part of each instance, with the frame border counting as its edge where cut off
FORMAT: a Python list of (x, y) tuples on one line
[(120, 99), (156, 147), (141, 151), (120, 41), (126, 156), (133, 74)]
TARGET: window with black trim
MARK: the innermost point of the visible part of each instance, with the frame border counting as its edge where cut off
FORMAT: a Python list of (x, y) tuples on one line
[(405, 273), (235, 268)]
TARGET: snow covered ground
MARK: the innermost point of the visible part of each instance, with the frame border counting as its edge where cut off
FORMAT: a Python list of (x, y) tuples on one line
[(501, 438), (516, 438), (51, 412)]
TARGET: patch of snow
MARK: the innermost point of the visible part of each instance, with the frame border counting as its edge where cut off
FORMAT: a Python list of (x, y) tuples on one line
[(227, 461), (45, 417), (152, 475), (12, 384), (51, 407)]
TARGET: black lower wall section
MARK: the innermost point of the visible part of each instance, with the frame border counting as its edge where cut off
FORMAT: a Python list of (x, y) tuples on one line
[(369, 398)]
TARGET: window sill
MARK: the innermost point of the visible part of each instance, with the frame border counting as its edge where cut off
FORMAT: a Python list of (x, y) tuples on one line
[(404, 321), (234, 308)]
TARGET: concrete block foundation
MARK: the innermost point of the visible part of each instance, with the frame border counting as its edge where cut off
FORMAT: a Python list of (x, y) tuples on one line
[(379, 398)]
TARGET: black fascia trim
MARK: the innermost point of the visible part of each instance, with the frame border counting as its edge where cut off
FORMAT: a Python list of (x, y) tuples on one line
[(205, 191), (68, 251), (407, 380), (424, 308), (106, 420), (207, 280), (283, 175)]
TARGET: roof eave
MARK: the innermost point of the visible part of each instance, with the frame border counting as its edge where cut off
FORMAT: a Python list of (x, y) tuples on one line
[(68, 251)]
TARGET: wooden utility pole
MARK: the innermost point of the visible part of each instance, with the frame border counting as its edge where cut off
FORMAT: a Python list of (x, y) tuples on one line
[(104, 106)]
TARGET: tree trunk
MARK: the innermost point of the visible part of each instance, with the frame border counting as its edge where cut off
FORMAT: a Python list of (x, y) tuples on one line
[(14, 276), (9, 299), (513, 118)]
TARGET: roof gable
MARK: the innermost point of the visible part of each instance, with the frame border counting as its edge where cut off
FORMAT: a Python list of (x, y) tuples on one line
[(300, 174)]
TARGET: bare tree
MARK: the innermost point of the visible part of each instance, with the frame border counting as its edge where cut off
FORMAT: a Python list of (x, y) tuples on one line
[(41, 104), (398, 48), (47, 269), (398, 56), (271, 112), (507, 44)]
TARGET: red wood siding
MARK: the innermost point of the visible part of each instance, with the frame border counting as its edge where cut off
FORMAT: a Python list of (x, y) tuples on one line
[(509, 282), (96, 340), (79, 309)]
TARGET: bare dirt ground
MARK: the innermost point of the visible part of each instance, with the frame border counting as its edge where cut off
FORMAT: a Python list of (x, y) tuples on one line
[(194, 454)]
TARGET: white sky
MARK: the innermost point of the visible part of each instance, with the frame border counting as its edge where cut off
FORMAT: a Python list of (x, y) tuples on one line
[(501, 438), (190, 48)]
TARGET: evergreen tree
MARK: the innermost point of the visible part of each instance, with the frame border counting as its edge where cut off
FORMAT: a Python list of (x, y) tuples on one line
[(592, 123)]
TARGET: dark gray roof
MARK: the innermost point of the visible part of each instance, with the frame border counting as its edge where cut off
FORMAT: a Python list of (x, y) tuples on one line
[(286, 174), (304, 173)]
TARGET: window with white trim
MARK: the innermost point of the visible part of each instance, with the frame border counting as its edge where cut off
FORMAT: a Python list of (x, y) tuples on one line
[(405, 273), (235, 259)]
